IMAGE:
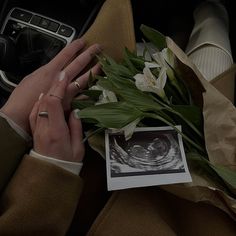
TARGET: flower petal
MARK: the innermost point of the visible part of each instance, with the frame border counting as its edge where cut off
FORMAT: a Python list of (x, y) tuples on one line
[(151, 64), (161, 80), (158, 57), (168, 55), (129, 129)]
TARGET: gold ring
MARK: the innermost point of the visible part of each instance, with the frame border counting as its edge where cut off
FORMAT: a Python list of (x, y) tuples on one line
[(43, 114), (77, 85), (56, 96)]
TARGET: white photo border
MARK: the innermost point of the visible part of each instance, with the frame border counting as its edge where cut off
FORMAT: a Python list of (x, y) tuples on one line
[(133, 181)]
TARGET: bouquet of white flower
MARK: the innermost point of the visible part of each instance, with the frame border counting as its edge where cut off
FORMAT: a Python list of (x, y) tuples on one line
[(162, 88)]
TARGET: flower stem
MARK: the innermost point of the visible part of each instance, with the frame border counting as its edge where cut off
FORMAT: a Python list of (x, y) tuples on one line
[(198, 147), (187, 121)]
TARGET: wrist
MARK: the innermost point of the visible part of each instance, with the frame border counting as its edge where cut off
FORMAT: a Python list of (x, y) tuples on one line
[(73, 167), (16, 127), (17, 117)]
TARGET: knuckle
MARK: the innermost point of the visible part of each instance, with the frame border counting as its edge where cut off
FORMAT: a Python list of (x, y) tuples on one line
[(51, 101), (66, 54), (31, 117), (79, 62)]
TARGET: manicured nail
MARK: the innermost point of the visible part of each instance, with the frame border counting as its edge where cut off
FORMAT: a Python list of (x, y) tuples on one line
[(40, 96), (99, 47), (76, 114), (62, 75)]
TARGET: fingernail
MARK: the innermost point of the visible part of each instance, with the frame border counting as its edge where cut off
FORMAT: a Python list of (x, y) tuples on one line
[(76, 114), (40, 96), (99, 47), (62, 75)]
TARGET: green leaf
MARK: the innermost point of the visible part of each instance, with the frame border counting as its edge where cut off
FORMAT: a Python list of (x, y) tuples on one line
[(154, 36), (221, 175), (129, 63), (110, 67), (129, 92), (93, 94), (81, 104), (106, 84), (191, 113), (138, 63), (112, 115), (228, 175)]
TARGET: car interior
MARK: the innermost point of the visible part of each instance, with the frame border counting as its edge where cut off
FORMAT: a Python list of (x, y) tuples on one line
[(33, 32)]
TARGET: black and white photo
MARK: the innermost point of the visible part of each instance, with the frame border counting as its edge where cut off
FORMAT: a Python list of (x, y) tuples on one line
[(153, 156)]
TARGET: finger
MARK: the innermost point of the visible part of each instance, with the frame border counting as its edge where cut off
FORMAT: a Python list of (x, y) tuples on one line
[(76, 133), (33, 116), (67, 54), (56, 115), (59, 88), (81, 61), (73, 89)]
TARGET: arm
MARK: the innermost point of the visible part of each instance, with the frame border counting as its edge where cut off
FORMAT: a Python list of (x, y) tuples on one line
[(12, 147), (41, 197), (19, 105)]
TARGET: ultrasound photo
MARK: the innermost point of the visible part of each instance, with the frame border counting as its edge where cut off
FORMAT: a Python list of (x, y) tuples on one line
[(152, 156)]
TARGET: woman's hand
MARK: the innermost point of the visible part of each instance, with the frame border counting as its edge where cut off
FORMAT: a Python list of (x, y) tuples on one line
[(52, 135), (23, 98)]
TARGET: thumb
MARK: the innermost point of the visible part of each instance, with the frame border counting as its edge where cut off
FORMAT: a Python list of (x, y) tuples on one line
[(76, 134)]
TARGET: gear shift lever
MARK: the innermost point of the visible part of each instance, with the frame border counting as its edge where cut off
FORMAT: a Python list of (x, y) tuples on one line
[(8, 57)]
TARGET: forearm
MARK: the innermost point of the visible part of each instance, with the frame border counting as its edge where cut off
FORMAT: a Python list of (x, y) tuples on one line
[(40, 197)]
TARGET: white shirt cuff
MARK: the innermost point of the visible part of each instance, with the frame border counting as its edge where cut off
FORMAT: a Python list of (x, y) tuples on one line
[(73, 167), (17, 128)]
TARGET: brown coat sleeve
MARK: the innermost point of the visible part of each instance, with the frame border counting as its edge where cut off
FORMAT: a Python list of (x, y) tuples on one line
[(12, 149), (39, 200)]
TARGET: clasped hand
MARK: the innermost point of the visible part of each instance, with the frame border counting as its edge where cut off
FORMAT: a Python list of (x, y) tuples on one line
[(52, 135)]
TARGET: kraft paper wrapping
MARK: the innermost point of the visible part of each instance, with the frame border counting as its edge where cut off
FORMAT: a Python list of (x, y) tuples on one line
[(219, 116), (113, 28)]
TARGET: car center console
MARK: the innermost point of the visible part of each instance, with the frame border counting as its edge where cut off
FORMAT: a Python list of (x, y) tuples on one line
[(33, 32), (28, 41)]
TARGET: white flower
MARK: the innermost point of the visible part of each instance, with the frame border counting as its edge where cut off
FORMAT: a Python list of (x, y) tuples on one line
[(168, 56), (149, 83), (106, 96), (151, 64), (128, 129), (159, 58)]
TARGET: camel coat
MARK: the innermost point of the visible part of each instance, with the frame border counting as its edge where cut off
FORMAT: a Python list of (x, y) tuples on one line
[(38, 198)]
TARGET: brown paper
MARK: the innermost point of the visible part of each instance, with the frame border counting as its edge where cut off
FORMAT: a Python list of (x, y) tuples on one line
[(220, 137), (225, 83)]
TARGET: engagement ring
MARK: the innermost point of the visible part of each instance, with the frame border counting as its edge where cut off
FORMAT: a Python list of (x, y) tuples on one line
[(77, 85)]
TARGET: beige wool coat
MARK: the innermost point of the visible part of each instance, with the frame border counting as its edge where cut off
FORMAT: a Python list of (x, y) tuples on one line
[(38, 198)]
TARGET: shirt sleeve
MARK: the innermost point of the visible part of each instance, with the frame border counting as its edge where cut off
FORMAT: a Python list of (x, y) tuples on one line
[(17, 128), (73, 167)]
